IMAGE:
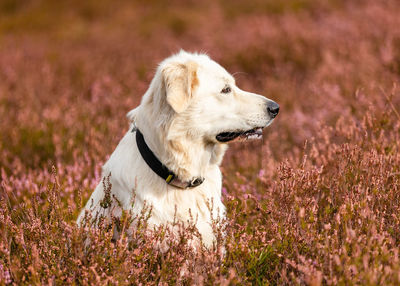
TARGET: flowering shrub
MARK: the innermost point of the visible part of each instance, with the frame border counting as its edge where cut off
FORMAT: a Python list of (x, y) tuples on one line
[(315, 202)]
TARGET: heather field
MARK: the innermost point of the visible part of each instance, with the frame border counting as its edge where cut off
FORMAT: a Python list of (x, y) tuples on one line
[(315, 202)]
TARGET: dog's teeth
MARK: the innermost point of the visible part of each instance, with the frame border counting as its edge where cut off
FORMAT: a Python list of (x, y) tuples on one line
[(258, 131), (253, 136)]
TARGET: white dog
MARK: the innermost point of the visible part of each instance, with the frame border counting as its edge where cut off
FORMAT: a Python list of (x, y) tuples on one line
[(170, 157)]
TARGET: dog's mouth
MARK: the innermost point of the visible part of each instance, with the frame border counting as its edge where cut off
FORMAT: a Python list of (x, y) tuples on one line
[(255, 133)]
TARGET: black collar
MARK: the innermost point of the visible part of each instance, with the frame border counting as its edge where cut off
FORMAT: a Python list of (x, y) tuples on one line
[(160, 169)]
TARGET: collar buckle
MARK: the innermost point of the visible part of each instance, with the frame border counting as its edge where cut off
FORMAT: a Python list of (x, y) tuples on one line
[(196, 182), (176, 182)]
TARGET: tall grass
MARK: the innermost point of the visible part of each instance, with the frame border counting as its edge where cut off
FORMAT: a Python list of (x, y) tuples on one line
[(317, 201)]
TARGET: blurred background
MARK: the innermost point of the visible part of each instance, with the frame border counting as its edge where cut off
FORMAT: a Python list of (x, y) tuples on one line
[(70, 70), (315, 202)]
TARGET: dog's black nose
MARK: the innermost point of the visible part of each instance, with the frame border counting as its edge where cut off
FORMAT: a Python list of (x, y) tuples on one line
[(273, 108)]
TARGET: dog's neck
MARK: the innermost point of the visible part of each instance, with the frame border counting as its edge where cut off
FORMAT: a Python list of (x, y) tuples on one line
[(190, 158), (185, 155)]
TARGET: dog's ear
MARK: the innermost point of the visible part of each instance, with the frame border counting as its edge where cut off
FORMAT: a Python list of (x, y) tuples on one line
[(131, 115), (180, 80)]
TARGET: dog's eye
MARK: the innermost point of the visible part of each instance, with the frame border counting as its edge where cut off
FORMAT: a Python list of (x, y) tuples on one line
[(226, 89)]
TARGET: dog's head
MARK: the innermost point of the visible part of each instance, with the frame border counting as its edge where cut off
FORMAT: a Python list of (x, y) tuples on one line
[(201, 99)]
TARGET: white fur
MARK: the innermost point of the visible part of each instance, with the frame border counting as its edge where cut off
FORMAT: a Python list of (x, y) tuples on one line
[(180, 115)]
